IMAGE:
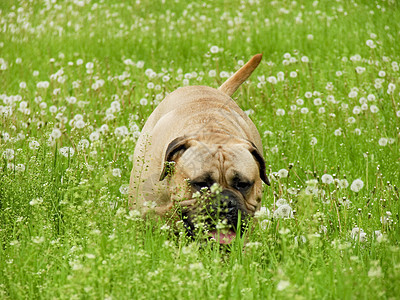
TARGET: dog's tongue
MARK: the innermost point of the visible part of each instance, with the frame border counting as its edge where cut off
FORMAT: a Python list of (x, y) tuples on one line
[(223, 237)]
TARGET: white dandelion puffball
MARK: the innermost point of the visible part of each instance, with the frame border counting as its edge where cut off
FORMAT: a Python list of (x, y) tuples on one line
[(283, 173), (214, 49), (383, 141), (283, 284), (8, 154), (281, 202), (305, 59), (263, 213), (358, 234), (313, 141), (56, 133), (343, 184), (357, 185), (67, 151), (34, 145), (117, 172), (280, 112), (94, 136), (124, 189), (304, 110), (284, 211), (374, 109), (327, 179)]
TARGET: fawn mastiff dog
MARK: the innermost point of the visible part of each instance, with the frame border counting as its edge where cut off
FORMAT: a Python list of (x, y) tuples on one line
[(199, 158)]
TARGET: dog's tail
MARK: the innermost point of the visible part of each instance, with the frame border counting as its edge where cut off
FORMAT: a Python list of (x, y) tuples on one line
[(231, 85)]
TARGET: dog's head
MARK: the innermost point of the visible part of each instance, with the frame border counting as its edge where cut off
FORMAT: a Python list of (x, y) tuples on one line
[(217, 182)]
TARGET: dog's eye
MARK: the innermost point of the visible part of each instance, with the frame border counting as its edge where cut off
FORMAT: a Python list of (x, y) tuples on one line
[(198, 185), (243, 185)]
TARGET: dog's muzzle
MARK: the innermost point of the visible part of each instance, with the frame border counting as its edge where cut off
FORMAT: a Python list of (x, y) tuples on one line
[(223, 217)]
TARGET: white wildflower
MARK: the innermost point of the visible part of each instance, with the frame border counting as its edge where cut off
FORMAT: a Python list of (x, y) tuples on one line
[(281, 202), (283, 173), (313, 141), (116, 172), (283, 284), (383, 141), (327, 179), (124, 189), (280, 112), (357, 185), (358, 234), (67, 151), (36, 201), (283, 211)]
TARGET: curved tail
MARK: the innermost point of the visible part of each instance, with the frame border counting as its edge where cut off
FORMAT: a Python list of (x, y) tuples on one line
[(231, 85)]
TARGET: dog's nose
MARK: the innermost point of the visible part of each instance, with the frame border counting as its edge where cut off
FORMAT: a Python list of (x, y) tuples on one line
[(229, 201)]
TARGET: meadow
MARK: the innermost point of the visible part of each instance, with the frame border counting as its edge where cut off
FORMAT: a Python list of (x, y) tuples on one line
[(78, 79)]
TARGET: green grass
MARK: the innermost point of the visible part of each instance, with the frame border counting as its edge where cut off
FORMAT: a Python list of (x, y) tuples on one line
[(66, 230)]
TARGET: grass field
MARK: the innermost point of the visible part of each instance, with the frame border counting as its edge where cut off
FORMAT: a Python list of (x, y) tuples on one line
[(79, 78)]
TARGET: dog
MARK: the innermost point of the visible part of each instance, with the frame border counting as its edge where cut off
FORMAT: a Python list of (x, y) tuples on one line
[(199, 158)]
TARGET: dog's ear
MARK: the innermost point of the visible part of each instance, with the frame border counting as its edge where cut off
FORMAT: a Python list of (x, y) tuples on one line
[(261, 162), (174, 149)]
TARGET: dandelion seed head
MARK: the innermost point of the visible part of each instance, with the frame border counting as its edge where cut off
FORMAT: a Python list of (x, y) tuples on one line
[(371, 44), (357, 185), (358, 234), (304, 110), (305, 59), (116, 172), (56, 133), (283, 173), (351, 120), (284, 211), (36, 201), (280, 112), (34, 145), (313, 141), (38, 239), (143, 101), (214, 49), (124, 189), (20, 168), (8, 154), (383, 141), (282, 285), (374, 109), (281, 202), (272, 80), (83, 144), (94, 136), (67, 151), (327, 179), (343, 183)]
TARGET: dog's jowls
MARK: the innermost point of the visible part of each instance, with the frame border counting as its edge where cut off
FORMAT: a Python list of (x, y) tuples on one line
[(198, 138)]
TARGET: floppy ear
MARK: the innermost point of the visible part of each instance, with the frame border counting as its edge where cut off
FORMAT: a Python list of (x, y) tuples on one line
[(175, 148), (261, 163)]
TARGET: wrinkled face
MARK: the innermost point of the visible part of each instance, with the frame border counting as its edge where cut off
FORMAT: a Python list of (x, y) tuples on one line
[(238, 196)]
